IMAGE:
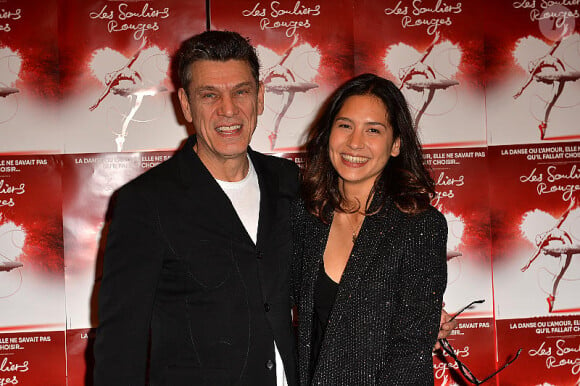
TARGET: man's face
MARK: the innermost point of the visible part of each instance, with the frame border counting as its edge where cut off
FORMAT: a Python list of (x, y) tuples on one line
[(223, 104)]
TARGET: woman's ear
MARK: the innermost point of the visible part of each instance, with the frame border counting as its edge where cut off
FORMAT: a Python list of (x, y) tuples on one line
[(396, 148)]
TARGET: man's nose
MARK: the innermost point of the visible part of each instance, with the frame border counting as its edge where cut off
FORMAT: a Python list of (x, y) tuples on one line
[(227, 106)]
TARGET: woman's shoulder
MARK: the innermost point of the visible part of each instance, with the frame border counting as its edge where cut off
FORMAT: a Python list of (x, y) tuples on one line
[(430, 217), (433, 215)]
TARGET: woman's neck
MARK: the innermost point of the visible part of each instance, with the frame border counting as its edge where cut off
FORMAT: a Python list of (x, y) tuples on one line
[(356, 195)]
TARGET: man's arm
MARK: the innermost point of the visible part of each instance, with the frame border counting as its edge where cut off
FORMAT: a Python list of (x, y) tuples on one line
[(131, 267)]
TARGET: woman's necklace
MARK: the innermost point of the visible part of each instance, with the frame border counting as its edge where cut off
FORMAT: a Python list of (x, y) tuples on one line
[(355, 227)]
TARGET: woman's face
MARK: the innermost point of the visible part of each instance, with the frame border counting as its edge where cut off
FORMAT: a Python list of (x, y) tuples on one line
[(361, 140)]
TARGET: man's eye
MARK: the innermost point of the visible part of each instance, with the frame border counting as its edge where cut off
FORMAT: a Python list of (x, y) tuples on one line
[(208, 96), (374, 130), (243, 92)]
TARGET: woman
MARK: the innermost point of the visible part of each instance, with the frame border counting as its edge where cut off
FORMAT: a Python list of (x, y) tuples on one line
[(369, 250)]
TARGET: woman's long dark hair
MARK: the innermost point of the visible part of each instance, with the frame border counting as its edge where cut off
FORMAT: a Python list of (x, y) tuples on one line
[(405, 179)]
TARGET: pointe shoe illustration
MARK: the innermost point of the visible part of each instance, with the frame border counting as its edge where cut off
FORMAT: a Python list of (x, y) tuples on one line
[(550, 299), (542, 128)]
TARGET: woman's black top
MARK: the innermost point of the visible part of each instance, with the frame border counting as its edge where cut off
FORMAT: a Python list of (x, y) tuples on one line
[(324, 295)]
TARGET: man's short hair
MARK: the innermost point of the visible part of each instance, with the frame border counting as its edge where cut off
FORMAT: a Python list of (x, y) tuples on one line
[(218, 46)]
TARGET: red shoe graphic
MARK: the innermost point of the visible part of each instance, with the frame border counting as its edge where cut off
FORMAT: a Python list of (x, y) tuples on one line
[(272, 137), (551, 299), (542, 128)]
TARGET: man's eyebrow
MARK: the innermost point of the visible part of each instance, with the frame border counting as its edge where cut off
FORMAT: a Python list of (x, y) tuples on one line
[(205, 88), (215, 88), (244, 84)]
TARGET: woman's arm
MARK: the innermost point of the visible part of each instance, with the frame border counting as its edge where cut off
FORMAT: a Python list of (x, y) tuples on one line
[(422, 281)]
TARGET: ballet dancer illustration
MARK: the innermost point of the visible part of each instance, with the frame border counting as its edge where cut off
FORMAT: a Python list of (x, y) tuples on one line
[(558, 243), (129, 83), (12, 239), (548, 69), (281, 80), (422, 78), (10, 64), (5, 91)]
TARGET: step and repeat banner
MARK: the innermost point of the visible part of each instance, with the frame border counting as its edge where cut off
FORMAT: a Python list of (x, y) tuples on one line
[(88, 102)]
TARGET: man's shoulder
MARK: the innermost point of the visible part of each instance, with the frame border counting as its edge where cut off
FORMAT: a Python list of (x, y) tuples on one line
[(281, 167), (164, 174), (275, 162), (283, 170)]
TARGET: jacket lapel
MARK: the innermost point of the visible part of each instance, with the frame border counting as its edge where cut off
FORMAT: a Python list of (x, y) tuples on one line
[(268, 182), (313, 257), (267, 234), (316, 240), (206, 195)]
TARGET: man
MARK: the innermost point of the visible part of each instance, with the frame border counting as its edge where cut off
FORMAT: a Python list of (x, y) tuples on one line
[(197, 260), (195, 286)]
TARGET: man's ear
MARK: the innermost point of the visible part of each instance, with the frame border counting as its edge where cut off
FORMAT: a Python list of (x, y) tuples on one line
[(185, 106), (260, 98)]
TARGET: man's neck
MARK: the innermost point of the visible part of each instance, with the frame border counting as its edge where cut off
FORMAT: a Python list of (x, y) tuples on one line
[(229, 169)]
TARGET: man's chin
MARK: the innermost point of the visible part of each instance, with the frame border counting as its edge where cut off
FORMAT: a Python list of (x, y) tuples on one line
[(232, 152)]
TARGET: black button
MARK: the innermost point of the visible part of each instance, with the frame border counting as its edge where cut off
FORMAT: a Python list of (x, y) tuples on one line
[(260, 255), (269, 364), (266, 307)]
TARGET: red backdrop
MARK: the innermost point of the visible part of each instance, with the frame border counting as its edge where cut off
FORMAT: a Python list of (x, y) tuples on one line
[(87, 102)]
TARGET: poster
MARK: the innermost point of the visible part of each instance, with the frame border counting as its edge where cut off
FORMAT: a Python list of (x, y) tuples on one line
[(462, 186), (80, 360), (29, 89), (533, 71), (32, 308), (306, 51), (536, 260), (31, 254), (32, 358), (472, 341), (433, 51), (95, 80), (89, 182), (117, 85)]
